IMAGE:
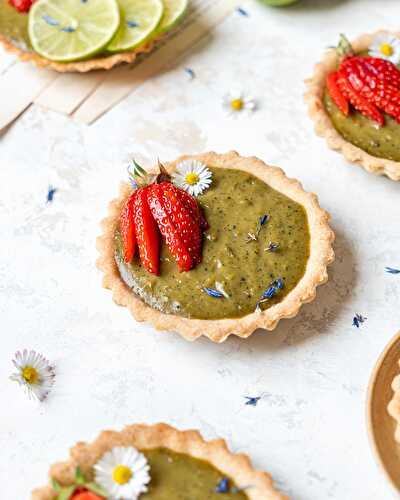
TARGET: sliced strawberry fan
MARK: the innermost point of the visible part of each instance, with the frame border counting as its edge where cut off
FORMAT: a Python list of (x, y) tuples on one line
[(371, 85), (160, 209)]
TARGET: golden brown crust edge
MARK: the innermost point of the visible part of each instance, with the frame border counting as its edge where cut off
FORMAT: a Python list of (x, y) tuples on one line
[(394, 405), (105, 62), (141, 436), (321, 255), (323, 125)]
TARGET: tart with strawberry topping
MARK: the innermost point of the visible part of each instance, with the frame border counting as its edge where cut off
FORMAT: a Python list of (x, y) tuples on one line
[(354, 100), (214, 245), (156, 462)]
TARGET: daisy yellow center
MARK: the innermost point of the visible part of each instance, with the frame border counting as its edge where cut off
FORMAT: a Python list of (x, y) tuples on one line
[(192, 178), (386, 49), (30, 375), (237, 104), (122, 474)]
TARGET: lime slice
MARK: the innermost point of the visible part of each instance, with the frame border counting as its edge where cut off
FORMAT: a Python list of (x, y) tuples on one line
[(139, 20), (173, 14), (70, 30)]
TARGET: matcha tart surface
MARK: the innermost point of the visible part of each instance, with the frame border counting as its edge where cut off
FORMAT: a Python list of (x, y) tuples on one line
[(250, 275), (360, 139), (181, 466)]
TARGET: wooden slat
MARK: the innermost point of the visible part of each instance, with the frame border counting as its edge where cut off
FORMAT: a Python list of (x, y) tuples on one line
[(68, 91), (122, 81), (19, 86)]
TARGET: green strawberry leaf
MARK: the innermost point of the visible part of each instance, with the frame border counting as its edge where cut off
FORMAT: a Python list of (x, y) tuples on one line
[(56, 485), (79, 477), (66, 493), (95, 488)]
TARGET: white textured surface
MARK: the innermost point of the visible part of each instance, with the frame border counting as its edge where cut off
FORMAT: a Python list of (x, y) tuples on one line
[(309, 429)]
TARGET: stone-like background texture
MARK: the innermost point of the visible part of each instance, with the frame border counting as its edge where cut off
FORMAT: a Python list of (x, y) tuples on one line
[(309, 428)]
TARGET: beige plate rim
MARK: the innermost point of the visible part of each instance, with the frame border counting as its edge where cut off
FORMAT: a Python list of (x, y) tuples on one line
[(381, 437)]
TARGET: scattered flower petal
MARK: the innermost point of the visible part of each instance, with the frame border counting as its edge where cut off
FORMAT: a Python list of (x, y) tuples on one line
[(386, 47), (358, 320), (223, 486), (193, 176), (392, 270), (242, 12), (190, 73), (132, 24), (236, 102), (212, 293), (272, 247), (50, 194), (123, 472), (34, 374), (50, 20), (252, 401)]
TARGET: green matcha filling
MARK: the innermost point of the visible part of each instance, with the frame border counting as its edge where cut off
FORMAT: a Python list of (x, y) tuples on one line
[(14, 25), (382, 142), (232, 262), (181, 477)]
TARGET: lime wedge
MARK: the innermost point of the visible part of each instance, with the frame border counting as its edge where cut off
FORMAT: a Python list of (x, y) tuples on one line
[(173, 14), (139, 20), (70, 30)]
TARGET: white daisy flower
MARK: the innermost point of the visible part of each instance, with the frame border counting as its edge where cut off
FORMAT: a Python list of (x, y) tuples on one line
[(236, 101), (193, 176), (34, 374), (123, 472), (386, 47)]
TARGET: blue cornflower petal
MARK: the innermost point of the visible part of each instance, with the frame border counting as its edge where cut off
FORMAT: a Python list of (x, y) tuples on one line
[(392, 270), (358, 320), (263, 219), (190, 72), (252, 401), (223, 486), (269, 293), (132, 24), (213, 293), (49, 20), (242, 12), (50, 194), (68, 29), (279, 283)]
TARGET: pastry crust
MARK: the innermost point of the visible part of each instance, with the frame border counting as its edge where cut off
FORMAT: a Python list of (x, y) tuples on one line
[(394, 405), (102, 62), (323, 124), (236, 466), (321, 255)]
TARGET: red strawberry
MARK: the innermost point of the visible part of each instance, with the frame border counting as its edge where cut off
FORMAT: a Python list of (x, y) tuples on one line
[(335, 93), (169, 232), (86, 495), (127, 227), (357, 100), (21, 5), (188, 229), (194, 209), (147, 234), (384, 70)]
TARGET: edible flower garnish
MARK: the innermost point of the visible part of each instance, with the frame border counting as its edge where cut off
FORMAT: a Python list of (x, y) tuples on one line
[(82, 485), (392, 270), (386, 47), (123, 472), (193, 176), (34, 374), (190, 72), (236, 101), (272, 247), (213, 293), (223, 486), (261, 222), (358, 320), (270, 292), (252, 401), (242, 12), (137, 175)]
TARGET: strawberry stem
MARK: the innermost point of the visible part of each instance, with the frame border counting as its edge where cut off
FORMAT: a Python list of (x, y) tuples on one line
[(138, 175), (163, 176)]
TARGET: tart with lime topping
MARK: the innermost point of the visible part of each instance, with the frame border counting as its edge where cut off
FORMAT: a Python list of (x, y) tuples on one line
[(156, 462), (354, 100), (214, 245), (76, 35)]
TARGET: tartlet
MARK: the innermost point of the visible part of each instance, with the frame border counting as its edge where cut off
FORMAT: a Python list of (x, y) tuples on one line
[(315, 249), (394, 405), (161, 442), (315, 98)]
